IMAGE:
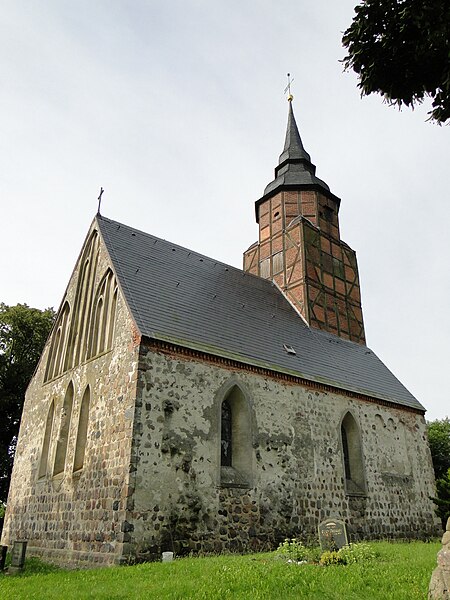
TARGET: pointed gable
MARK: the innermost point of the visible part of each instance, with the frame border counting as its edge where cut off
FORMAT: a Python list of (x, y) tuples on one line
[(85, 322)]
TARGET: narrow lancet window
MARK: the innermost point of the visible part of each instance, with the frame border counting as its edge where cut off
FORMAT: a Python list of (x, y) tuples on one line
[(226, 433), (236, 452), (352, 455), (348, 474)]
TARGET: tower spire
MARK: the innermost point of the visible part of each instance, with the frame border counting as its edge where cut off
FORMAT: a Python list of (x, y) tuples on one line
[(293, 146), (294, 171), (299, 246)]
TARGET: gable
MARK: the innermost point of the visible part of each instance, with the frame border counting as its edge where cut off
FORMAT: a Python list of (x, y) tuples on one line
[(181, 297), (85, 323)]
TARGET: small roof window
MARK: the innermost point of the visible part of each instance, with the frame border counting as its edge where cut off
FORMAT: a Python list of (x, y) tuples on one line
[(289, 349)]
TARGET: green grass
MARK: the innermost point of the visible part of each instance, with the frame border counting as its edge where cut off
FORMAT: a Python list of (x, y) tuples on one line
[(401, 571)]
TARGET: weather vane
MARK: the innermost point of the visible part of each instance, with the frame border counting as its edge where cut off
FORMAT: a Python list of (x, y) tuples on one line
[(100, 200), (288, 87)]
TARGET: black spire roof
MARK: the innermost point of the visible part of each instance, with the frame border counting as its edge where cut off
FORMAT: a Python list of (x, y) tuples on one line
[(295, 171)]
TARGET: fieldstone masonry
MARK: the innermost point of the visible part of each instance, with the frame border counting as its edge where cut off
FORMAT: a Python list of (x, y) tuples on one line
[(440, 580), (179, 502), (78, 517)]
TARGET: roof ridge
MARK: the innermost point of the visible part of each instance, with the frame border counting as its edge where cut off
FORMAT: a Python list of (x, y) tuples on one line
[(195, 252)]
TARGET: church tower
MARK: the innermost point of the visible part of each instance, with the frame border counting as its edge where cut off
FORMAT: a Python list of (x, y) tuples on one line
[(299, 245)]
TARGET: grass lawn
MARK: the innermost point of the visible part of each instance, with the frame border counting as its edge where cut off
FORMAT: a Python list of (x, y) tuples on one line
[(401, 571)]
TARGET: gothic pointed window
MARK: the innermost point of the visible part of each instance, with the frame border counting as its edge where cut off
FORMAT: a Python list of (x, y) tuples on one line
[(83, 422), (64, 429), (352, 456), (347, 470), (43, 463), (226, 435), (236, 452)]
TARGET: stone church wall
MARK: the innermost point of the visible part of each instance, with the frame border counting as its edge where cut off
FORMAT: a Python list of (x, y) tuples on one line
[(292, 469), (77, 517)]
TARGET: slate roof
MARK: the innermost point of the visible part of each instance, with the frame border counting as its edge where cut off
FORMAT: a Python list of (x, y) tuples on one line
[(179, 296)]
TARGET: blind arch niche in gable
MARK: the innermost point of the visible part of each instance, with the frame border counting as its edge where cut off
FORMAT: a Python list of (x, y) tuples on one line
[(55, 361), (82, 314), (45, 454), (103, 316), (64, 429), (83, 423)]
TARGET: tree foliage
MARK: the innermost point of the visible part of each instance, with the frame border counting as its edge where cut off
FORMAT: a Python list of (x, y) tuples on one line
[(442, 499), (401, 50), (23, 333), (439, 440)]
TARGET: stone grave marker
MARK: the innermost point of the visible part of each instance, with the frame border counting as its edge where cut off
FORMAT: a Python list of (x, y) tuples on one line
[(18, 556), (332, 534)]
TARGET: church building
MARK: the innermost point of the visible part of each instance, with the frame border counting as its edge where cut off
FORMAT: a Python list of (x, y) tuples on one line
[(184, 404)]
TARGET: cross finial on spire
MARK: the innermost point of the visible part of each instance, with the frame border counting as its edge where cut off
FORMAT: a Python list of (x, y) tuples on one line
[(288, 88), (100, 200)]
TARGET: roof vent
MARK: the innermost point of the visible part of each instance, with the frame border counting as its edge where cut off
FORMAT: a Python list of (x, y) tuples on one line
[(289, 349)]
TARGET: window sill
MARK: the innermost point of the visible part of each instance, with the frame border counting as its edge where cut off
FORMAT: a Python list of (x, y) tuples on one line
[(353, 489), (230, 477)]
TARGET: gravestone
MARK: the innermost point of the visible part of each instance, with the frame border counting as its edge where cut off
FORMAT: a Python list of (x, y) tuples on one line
[(18, 556), (332, 534)]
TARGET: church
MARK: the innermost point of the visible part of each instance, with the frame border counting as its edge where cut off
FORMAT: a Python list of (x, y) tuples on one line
[(183, 404)]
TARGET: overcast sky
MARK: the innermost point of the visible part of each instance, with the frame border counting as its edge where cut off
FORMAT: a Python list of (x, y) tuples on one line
[(177, 110)]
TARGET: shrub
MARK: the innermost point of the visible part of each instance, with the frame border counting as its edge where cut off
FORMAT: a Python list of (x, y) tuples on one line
[(330, 557), (292, 549), (348, 555), (314, 554), (356, 553)]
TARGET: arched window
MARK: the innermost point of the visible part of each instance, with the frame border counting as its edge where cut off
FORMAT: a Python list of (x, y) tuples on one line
[(55, 362), (236, 452), (348, 473), (64, 428), (83, 421), (43, 464), (355, 481), (226, 439)]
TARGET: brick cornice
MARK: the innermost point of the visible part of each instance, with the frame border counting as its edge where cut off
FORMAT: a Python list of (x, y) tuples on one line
[(176, 351)]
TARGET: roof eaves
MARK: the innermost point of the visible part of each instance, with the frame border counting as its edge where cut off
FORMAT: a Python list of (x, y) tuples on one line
[(253, 362), (295, 187)]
